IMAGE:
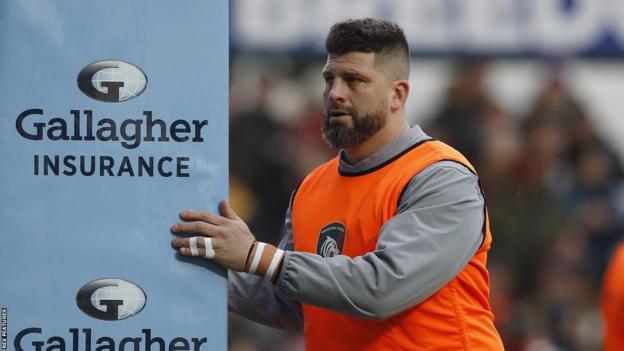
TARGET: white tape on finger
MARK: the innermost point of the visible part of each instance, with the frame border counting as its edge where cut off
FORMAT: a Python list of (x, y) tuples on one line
[(193, 246), (209, 250)]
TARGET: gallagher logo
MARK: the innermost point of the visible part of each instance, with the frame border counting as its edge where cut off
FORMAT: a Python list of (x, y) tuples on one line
[(112, 81), (110, 299)]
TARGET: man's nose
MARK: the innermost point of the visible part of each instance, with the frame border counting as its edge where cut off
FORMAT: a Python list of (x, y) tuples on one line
[(337, 91)]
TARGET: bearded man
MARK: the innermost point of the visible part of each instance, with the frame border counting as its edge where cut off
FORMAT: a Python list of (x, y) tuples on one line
[(385, 246)]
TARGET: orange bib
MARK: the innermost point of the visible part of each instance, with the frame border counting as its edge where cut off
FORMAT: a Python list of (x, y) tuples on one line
[(612, 302), (343, 214)]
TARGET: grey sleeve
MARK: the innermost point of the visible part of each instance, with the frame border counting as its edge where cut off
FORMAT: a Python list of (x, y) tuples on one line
[(257, 299), (436, 232)]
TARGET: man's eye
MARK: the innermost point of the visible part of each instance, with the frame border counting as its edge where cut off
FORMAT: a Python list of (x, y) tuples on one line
[(329, 79)]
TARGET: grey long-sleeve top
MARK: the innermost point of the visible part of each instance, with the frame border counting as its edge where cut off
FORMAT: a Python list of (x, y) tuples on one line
[(435, 233)]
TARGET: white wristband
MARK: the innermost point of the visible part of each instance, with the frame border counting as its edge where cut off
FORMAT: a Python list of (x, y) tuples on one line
[(274, 263), (256, 259)]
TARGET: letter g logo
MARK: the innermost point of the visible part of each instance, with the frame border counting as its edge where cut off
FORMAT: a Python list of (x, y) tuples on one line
[(110, 299), (111, 81)]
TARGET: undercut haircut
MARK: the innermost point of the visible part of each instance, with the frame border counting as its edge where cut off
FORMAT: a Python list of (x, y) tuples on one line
[(384, 38)]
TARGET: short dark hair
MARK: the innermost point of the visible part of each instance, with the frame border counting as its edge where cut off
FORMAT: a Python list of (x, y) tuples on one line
[(384, 38)]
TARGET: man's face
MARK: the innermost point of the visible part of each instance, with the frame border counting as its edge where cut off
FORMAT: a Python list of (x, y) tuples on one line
[(356, 99)]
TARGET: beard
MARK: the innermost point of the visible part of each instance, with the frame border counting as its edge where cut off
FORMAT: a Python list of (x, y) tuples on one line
[(340, 135)]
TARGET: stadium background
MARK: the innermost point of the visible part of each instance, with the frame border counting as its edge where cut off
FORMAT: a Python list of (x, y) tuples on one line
[(530, 91)]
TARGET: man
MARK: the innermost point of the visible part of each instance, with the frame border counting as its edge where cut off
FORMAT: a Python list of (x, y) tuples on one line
[(385, 245)]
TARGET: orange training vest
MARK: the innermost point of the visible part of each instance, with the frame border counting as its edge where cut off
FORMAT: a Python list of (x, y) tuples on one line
[(612, 302), (457, 317)]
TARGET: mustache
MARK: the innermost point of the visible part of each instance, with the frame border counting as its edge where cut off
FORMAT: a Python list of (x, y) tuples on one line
[(336, 110)]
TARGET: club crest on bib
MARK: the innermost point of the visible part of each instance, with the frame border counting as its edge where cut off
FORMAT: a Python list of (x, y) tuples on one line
[(331, 240)]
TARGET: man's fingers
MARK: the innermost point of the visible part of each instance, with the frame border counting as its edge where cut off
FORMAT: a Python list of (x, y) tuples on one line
[(227, 211), (194, 246), (208, 217), (180, 242), (196, 227), (189, 252)]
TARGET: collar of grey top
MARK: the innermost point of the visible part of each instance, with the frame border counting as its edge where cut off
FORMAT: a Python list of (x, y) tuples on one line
[(408, 138)]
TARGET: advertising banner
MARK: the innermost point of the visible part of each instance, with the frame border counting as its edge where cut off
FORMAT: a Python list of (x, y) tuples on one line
[(589, 28), (113, 119)]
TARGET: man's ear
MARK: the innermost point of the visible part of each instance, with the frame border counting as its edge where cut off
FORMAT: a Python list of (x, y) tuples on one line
[(400, 91)]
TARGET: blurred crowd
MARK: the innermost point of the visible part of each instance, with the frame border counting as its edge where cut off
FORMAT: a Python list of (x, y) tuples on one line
[(553, 188)]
